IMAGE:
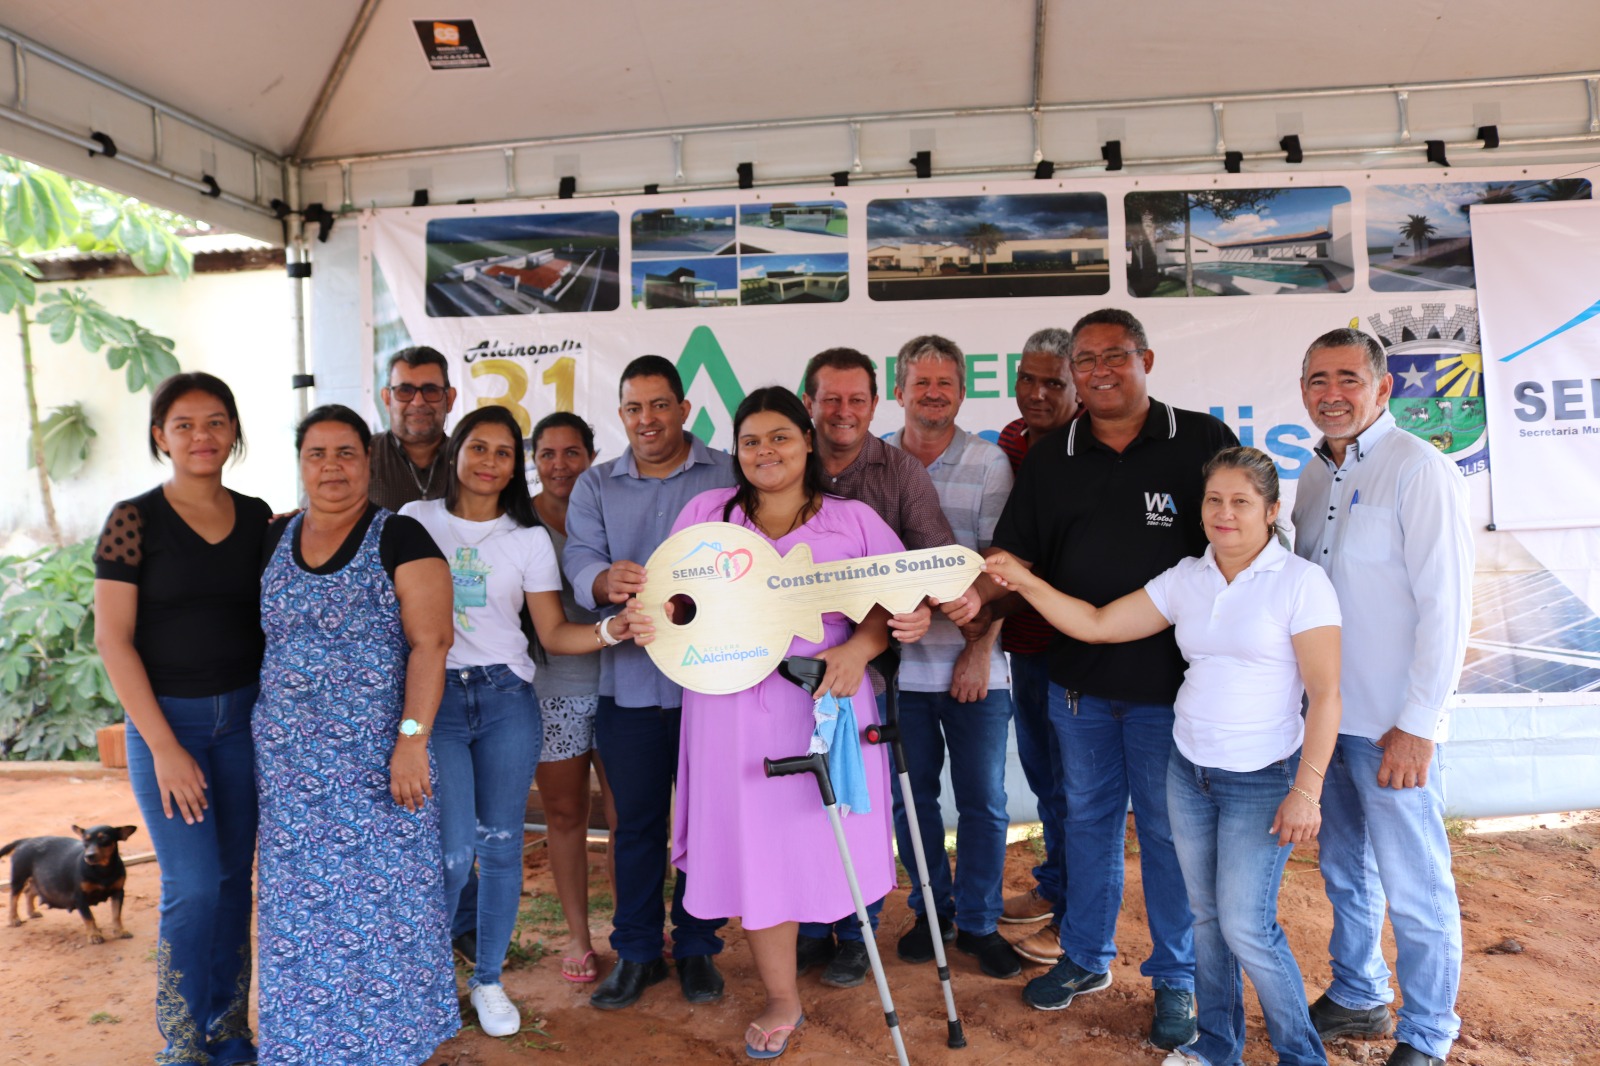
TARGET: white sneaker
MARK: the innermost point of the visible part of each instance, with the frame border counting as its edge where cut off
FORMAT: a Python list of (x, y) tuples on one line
[(497, 1015)]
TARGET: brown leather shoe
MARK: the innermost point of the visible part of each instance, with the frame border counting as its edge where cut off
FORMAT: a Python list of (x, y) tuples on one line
[(1028, 907), (1042, 946)]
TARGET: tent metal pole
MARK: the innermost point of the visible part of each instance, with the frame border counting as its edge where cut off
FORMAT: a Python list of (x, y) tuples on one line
[(24, 45), (294, 256), (1083, 165), (93, 147), (330, 84)]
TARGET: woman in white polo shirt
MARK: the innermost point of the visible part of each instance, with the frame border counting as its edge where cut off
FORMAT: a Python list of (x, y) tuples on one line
[(488, 733), (1259, 627)]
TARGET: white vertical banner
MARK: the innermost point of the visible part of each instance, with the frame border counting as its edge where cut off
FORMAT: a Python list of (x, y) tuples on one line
[(1538, 271)]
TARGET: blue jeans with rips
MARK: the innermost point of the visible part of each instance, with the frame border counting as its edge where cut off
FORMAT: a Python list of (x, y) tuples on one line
[(203, 961), (486, 742), (975, 734), (1039, 752), (1111, 750), (1232, 867), (1385, 845)]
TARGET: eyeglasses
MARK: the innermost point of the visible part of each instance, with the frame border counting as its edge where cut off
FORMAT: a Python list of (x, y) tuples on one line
[(1111, 358), (407, 393)]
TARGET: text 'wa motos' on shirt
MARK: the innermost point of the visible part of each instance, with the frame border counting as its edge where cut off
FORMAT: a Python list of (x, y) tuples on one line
[(1390, 527), (1098, 523), (1239, 706), (492, 566)]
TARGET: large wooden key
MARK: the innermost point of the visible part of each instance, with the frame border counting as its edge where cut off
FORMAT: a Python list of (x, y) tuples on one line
[(749, 602)]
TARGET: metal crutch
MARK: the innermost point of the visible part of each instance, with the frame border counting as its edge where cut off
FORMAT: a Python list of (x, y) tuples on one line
[(807, 673), (888, 666)]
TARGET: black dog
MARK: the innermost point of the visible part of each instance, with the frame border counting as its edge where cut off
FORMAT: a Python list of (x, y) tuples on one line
[(71, 875)]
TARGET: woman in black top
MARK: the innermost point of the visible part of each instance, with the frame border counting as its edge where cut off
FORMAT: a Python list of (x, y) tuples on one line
[(177, 622)]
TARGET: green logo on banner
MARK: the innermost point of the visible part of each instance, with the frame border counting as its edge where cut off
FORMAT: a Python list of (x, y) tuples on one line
[(702, 352)]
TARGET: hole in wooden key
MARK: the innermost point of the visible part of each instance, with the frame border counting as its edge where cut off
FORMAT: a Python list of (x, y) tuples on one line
[(681, 609)]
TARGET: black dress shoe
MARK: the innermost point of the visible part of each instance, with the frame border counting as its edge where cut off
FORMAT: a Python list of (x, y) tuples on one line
[(917, 945), (812, 951), (849, 966), (1332, 1020), (700, 980), (996, 957), (1406, 1055), (626, 981)]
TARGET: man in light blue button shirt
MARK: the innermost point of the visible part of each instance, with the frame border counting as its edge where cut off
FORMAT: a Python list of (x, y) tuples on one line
[(1385, 514), (619, 514)]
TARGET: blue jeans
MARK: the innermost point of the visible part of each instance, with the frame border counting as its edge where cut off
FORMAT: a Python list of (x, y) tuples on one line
[(202, 953), (486, 742), (1111, 749), (1039, 752), (639, 746), (976, 736), (1384, 844), (1233, 867)]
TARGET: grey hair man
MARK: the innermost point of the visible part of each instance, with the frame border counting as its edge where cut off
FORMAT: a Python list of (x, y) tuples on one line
[(954, 689), (408, 457), (1385, 514), (1047, 400)]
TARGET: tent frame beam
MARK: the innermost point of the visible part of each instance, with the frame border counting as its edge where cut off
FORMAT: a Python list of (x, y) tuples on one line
[(1207, 101), (25, 49)]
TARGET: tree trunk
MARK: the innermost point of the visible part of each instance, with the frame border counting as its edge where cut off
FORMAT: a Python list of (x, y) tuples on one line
[(35, 442), (1188, 249)]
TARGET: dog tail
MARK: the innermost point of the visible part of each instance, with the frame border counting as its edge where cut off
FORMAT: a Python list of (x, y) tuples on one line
[(9, 848)]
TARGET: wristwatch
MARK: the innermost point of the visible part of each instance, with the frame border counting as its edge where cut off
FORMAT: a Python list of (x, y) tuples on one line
[(410, 727)]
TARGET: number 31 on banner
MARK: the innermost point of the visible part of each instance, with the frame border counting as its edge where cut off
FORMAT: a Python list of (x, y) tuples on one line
[(562, 374)]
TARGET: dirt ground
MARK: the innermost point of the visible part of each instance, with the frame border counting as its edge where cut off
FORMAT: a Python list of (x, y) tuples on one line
[(66, 1003)]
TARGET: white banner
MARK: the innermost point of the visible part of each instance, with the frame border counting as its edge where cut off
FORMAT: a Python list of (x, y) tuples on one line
[(539, 305), (1538, 268)]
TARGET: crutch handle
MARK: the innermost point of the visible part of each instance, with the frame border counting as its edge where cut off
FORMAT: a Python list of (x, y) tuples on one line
[(815, 764)]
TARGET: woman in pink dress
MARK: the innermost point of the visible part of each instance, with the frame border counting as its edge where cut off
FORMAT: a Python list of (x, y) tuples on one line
[(762, 848)]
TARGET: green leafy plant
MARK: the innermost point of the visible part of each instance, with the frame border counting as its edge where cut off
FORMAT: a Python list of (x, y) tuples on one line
[(54, 692), (41, 211), (64, 438)]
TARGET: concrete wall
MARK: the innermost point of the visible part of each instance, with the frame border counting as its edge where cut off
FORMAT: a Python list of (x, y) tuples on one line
[(236, 326)]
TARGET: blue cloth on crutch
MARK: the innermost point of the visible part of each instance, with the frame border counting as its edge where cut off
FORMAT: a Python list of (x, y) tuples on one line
[(837, 737)]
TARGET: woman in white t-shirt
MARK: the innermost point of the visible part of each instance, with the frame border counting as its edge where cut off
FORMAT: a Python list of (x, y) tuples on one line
[(488, 733), (1259, 628)]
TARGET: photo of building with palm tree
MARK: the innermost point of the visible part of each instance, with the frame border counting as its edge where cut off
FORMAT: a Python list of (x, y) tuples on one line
[(1419, 237), (978, 247), (1239, 242)]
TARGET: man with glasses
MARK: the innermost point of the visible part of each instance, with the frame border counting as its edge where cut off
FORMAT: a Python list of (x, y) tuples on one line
[(1099, 508), (408, 458)]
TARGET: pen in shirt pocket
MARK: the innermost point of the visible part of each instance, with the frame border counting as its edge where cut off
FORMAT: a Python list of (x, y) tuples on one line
[(1355, 498)]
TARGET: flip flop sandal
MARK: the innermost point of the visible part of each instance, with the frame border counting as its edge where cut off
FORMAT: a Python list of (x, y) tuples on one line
[(766, 1036), (586, 961)]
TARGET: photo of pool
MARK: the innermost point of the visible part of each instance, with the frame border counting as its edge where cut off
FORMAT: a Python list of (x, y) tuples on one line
[(1302, 275)]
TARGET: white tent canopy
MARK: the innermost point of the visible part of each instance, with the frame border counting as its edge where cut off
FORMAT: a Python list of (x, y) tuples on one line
[(334, 102)]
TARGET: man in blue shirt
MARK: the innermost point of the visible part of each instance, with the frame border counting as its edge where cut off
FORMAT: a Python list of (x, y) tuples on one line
[(619, 514)]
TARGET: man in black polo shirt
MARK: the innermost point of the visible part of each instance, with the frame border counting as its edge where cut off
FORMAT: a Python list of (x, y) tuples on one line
[(1099, 508)]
